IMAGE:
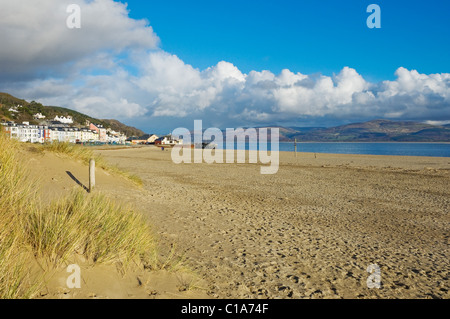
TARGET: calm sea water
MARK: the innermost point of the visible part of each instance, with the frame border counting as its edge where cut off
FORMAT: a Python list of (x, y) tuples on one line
[(401, 149)]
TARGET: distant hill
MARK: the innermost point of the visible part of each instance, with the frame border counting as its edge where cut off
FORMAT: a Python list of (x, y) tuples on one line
[(372, 131), (28, 109), (377, 131)]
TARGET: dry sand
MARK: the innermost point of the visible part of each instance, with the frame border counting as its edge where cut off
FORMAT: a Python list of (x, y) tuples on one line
[(58, 176), (309, 231)]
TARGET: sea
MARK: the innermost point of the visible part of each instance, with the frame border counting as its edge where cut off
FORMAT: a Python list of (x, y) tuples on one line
[(394, 148)]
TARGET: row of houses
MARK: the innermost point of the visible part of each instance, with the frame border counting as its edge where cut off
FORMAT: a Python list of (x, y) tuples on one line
[(165, 141), (41, 134), (51, 131), (144, 139)]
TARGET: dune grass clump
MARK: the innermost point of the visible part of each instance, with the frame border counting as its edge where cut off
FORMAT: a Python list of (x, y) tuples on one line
[(84, 154), (71, 150), (16, 198), (92, 226), (13, 271)]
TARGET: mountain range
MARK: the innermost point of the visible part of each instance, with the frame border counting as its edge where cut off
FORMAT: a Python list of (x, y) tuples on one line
[(373, 131)]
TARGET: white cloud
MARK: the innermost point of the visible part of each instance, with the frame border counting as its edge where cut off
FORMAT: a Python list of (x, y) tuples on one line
[(438, 122), (35, 36), (119, 107)]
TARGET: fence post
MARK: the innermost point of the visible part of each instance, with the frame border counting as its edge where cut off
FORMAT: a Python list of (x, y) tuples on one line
[(91, 175), (295, 147)]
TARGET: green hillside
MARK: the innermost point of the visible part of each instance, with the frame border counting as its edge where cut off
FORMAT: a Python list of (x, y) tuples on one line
[(28, 109)]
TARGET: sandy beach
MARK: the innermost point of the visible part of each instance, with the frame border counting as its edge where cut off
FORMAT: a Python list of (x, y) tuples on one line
[(309, 231), (102, 100)]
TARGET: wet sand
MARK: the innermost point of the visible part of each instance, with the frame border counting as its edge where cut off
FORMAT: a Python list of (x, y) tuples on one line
[(309, 231)]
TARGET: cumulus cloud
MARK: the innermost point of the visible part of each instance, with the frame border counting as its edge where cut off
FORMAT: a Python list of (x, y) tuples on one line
[(112, 68), (35, 36), (180, 90)]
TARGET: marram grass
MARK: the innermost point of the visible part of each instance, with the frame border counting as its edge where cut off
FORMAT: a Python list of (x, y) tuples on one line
[(90, 225), (93, 226), (85, 155), (16, 196)]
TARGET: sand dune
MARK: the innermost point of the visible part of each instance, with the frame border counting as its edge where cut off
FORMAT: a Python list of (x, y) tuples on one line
[(58, 176)]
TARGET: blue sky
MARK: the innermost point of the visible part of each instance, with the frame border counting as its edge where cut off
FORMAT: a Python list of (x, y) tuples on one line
[(158, 65), (304, 36)]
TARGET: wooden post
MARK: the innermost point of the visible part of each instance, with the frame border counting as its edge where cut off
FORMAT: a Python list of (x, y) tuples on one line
[(295, 147), (91, 175)]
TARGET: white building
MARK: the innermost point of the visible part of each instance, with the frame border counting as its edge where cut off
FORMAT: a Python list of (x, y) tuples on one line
[(64, 120), (15, 109), (113, 137), (87, 136), (38, 116), (26, 133)]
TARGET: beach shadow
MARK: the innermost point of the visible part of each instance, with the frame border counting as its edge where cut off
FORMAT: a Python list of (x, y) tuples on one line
[(77, 181)]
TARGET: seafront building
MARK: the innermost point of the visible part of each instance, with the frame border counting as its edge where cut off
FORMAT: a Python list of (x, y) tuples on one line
[(61, 133), (168, 140), (144, 139), (101, 131)]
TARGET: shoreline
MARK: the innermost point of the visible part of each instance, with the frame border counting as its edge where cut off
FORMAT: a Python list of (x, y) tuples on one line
[(359, 142), (368, 152), (287, 152)]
